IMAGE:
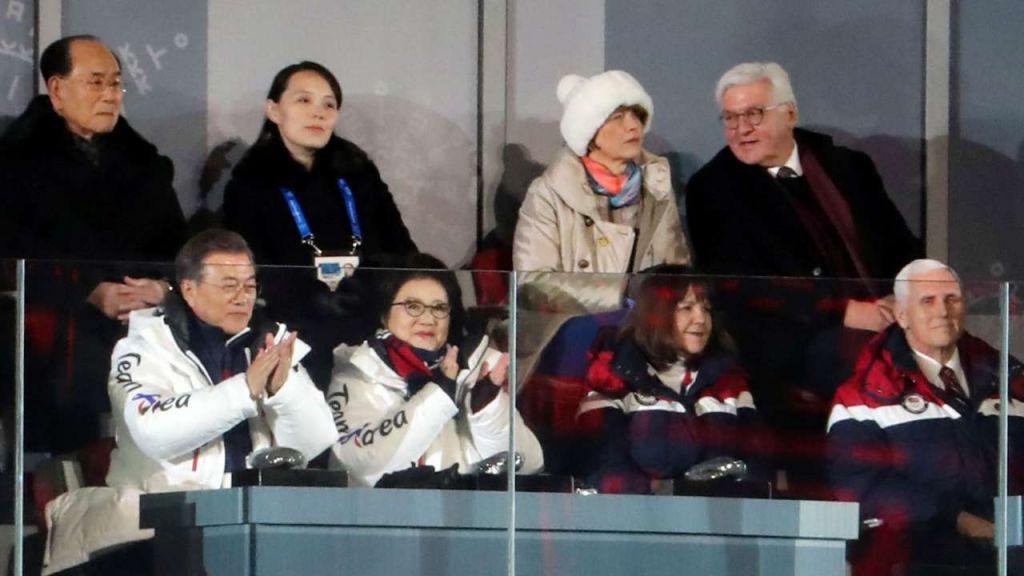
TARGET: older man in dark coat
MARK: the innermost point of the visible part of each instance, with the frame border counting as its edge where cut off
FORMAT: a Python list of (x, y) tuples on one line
[(78, 183), (783, 202)]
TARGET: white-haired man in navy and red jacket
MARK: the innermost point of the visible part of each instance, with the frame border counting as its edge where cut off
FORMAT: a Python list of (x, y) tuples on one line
[(912, 434)]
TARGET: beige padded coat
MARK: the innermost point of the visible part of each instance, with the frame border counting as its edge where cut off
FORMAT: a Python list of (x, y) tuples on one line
[(560, 228), (561, 236)]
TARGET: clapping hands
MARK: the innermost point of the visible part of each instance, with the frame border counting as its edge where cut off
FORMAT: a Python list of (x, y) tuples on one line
[(269, 370)]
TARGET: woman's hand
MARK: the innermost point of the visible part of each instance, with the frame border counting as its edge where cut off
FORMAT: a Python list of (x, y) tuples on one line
[(450, 362), (499, 373)]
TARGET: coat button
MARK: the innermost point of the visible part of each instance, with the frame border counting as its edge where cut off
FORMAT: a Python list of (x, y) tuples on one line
[(602, 242), (588, 221), (816, 271), (583, 264)]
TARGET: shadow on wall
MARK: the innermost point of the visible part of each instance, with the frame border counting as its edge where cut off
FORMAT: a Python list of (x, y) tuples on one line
[(986, 211), (899, 161), (213, 177), (520, 170), (429, 163), (681, 166)]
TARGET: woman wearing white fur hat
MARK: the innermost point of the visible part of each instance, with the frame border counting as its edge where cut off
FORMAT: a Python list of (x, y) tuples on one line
[(604, 204)]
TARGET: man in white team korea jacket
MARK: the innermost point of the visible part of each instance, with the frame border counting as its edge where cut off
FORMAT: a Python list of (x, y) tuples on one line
[(195, 387)]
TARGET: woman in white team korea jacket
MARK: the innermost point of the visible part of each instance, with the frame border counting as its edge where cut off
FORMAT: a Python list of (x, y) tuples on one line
[(196, 386), (408, 396)]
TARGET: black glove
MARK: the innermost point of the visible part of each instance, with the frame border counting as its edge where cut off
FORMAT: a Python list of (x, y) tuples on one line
[(422, 477)]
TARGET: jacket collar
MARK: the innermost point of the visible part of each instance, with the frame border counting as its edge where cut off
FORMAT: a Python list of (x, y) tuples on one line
[(40, 127), (176, 313), (621, 368), (566, 178), (888, 368), (269, 162)]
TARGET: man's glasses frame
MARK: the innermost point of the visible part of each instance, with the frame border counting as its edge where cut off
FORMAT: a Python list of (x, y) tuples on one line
[(753, 115), (232, 289), (98, 85)]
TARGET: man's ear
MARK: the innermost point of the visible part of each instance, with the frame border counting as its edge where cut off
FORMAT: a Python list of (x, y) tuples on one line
[(54, 89), (188, 291), (901, 316)]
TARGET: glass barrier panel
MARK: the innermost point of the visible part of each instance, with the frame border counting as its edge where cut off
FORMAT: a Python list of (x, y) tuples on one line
[(391, 399), (732, 404), (1012, 310), (8, 410)]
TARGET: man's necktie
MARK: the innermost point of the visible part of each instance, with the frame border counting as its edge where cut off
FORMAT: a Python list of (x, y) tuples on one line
[(954, 392), (786, 172)]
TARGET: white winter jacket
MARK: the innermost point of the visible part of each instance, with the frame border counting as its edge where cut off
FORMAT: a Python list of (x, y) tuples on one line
[(382, 429), (170, 417)]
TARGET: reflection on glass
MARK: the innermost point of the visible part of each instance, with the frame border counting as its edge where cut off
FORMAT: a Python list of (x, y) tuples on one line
[(901, 419)]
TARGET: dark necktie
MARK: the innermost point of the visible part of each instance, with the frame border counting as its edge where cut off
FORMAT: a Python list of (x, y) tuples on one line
[(954, 391), (786, 172)]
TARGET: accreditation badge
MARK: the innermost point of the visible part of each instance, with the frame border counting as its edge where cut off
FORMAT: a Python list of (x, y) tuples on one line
[(331, 270), (915, 403)]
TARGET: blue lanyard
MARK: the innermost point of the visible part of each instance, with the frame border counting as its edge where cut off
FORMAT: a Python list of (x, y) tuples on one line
[(353, 218), (306, 235)]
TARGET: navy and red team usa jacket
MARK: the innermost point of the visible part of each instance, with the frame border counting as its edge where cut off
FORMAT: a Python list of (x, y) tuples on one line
[(908, 456), (640, 429)]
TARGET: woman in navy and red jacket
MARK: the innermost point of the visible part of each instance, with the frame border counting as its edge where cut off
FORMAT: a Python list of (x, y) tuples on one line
[(664, 394)]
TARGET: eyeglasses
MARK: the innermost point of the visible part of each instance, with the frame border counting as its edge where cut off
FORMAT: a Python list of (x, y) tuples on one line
[(99, 85), (415, 308), (231, 289), (754, 116)]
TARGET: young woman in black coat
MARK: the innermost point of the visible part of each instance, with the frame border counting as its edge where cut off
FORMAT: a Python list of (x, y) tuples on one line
[(301, 190), (298, 152)]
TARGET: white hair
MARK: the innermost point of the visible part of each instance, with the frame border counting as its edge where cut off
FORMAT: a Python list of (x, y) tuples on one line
[(901, 287), (751, 72)]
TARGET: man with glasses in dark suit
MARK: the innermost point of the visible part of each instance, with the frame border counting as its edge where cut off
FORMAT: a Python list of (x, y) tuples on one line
[(780, 201)]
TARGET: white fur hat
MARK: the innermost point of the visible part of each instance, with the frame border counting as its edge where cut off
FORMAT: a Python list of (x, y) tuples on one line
[(588, 102)]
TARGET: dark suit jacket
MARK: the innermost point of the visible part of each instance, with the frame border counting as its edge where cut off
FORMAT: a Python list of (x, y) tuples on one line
[(788, 331), (741, 224)]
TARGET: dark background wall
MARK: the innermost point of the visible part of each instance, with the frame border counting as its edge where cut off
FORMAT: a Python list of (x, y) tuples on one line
[(987, 140)]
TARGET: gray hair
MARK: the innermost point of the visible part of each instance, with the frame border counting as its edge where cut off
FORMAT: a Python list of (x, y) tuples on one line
[(901, 287), (751, 72)]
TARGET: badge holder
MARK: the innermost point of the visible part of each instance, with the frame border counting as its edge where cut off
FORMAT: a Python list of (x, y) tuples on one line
[(331, 270)]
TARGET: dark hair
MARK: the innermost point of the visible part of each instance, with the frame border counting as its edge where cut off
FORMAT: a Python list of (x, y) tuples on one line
[(641, 115), (651, 323), (269, 131), (189, 263), (418, 266), (56, 59)]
